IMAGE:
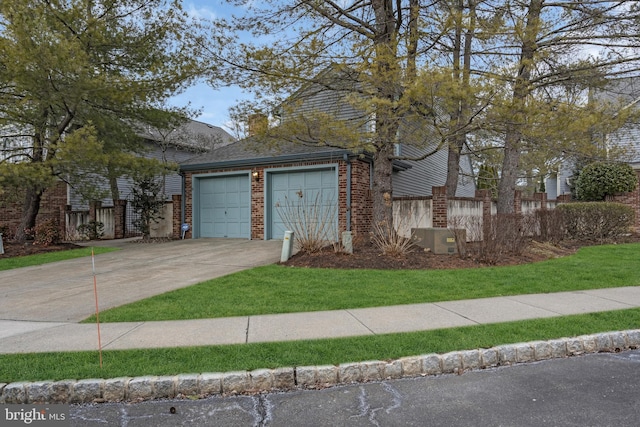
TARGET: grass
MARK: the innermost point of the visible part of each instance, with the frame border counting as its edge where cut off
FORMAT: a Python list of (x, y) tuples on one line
[(279, 289), (44, 258), (173, 361)]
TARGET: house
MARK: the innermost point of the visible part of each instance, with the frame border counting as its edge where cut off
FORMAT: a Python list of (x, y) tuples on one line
[(624, 96), (175, 146), (240, 190), (63, 202), (236, 191), (620, 95)]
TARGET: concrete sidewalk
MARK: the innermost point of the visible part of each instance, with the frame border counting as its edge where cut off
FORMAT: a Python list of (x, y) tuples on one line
[(25, 337)]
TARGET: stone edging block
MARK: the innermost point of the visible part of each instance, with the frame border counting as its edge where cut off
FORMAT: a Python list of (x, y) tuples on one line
[(309, 377)]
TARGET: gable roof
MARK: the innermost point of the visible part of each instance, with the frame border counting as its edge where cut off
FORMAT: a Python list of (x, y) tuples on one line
[(624, 92), (247, 152), (192, 134)]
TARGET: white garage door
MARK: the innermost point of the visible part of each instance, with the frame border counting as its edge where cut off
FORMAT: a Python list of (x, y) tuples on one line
[(225, 206), (306, 195)]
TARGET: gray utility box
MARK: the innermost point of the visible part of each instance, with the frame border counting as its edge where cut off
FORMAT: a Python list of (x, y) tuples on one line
[(438, 240)]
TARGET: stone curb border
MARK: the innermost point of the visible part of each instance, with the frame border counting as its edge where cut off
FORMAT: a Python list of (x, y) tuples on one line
[(308, 377)]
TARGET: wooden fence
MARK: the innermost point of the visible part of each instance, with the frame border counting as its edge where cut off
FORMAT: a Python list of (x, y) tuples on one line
[(457, 212), (117, 223)]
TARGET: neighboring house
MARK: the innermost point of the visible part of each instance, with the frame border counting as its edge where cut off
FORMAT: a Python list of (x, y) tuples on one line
[(239, 191), (619, 94), (623, 94), (191, 139)]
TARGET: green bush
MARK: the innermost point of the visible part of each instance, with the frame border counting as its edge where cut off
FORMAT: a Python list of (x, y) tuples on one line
[(598, 180), (595, 220)]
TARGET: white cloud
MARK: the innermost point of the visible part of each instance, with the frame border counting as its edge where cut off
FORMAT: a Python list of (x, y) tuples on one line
[(200, 11)]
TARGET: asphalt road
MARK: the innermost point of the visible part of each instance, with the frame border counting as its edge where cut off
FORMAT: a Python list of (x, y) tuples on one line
[(591, 390)]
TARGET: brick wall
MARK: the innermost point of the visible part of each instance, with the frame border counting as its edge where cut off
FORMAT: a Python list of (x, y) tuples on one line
[(630, 199), (257, 204), (360, 199), (440, 207), (176, 199), (52, 206), (119, 212)]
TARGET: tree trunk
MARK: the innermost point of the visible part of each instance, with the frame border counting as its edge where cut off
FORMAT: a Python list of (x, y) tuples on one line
[(508, 180), (453, 165), (514, 130), (386, 74), (460, 115), (30, 211), (382, 187), (115, 191)]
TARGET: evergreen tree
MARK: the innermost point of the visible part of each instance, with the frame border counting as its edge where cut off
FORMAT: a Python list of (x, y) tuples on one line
[(67, 64)]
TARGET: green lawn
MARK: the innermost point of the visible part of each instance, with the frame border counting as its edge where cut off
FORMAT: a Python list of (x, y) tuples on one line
[(279, 289), (173, 361), (29, 260)]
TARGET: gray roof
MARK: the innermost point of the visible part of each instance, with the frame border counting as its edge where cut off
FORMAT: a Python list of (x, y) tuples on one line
[(624, 92), (249, 152), (192, 134)]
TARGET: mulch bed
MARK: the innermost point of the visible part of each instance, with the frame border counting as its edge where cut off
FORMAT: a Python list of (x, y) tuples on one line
[(13, 249), (368, 256)]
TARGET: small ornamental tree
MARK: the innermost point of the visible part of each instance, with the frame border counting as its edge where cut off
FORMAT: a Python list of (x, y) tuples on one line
[(488, 179), (147, 202), (598, 180)]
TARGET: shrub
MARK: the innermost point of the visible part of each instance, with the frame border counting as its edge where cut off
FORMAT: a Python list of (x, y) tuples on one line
[(390, 242), (598, 180), (311, 221), (504, 235), (596, 221), (47, 233), (462, 228), (147, 202), (93, 230), (6, 234), (550, 225)]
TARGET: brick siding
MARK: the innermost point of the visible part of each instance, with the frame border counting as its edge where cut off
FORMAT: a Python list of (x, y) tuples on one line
[(52, 206), (361, 205)]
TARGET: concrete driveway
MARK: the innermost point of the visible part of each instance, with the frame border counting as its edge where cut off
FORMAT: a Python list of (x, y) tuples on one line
[(63, 291)]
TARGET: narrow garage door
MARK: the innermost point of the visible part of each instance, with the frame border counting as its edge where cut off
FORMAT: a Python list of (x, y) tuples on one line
[(225, 206), (305, 191)]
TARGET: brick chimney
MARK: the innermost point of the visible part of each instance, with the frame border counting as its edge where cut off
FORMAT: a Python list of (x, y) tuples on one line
[(257, 123)]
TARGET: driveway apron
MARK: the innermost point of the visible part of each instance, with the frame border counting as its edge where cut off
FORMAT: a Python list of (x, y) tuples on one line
[(64, 292)]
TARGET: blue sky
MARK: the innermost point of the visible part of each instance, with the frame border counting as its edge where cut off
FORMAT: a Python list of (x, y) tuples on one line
[(214, 104)]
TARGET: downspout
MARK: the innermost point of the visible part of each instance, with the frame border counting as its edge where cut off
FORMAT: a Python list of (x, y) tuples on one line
[(183, 202), (348, 161)]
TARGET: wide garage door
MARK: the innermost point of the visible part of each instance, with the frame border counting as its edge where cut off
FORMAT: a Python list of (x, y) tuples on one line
[(304, 195), (225, 206)]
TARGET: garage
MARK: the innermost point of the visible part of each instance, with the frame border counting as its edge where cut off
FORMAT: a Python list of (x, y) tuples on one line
[(224, 206), (313, 190)]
